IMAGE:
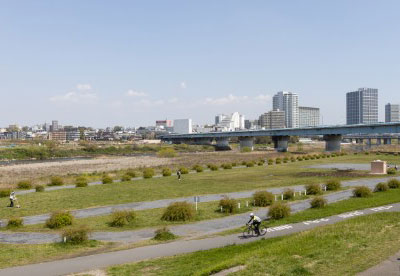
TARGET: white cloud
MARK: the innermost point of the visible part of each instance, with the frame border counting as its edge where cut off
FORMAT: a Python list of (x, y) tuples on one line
[(83, 87), (172, 100), (75, 97), (133, 93), (183, 85), (226, 100), (263, 98)]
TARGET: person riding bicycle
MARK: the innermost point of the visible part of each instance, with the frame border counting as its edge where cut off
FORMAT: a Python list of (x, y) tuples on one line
[(256, 221)]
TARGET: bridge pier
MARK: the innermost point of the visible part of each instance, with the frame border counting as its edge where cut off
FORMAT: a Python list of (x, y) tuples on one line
[(332, 142), (378, 141), (202, 141), (281, 143), (246, 142), (387, 141), (222, 143)]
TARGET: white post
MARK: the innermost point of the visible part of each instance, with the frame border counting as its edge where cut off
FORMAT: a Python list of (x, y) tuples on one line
[(221, 209), (239, 205), (196, 205), (325, 188), (65, 239), (305, 192), (275, 197), (247, 203), (282, 196)]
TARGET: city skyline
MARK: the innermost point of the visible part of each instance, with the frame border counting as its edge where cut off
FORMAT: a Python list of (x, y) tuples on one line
[(100, 64)]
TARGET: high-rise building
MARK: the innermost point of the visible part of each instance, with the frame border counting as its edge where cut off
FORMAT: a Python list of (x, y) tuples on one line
[(308, 116), (289, 103), (272, 119), (362, 106), (392, 113), (183, 126), (54, 125)]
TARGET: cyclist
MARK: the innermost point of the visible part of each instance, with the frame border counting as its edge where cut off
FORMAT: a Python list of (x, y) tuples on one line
[(256, 221)]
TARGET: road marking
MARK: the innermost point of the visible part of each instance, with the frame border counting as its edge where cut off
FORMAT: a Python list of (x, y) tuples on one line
[(377, 209), (315, 221), (279, 228), (353, 214)]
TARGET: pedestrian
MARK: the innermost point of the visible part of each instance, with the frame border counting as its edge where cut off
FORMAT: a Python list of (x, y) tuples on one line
[(179, 173), (13, 198)]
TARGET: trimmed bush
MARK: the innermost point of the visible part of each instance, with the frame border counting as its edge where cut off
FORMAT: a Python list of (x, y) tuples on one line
[(198, 168), (234, 164), (292, 159), (228, 205), (279, 210), (318, 202), (270, 162), (76, 235), (14, 223), (213, 167), (184, 170), (56, 181), (5, 192), (244, 163), (120, 218), (381, 187), (278, 161), (393, 183), (313, 189), (166, 152), (163, 234), (106, 179), (148, 173), (24, 184), (299, 158), (260, 163), (39, 188), (166, 172), (131, 173), (250, 164), (59, 219), (288, 194), (333, 185), (245, 149), (178, 211), (263, 198), (391, 171), (81, 181), (362, 191), (227, 166), (125, 178), (285, 160)]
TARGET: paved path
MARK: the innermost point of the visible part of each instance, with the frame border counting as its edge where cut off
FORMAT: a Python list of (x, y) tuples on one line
[(86, 263), (137, 206), (389, 267)]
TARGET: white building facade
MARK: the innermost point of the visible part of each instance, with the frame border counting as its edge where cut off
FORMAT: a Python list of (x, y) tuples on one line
[(309, 116), (289, 103), (183, 126), (232, 122)]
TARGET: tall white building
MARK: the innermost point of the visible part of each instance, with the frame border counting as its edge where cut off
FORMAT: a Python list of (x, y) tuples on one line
[(392, 113), (308, 116), (183, 126), (231, 122), (289, 103)]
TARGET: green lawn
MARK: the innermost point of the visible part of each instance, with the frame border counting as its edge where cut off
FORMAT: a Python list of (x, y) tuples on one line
[(223, 181), (345, 248)]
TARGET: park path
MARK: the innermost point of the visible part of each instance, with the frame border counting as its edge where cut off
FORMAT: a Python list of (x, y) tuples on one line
[(145, 205), (389, 267), (104, 260)]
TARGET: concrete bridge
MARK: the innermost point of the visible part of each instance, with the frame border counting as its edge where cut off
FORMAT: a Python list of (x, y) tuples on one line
[(379, 139), (332, 135)]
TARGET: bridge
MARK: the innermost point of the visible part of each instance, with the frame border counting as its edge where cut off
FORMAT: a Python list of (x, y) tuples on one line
[(332, 135)]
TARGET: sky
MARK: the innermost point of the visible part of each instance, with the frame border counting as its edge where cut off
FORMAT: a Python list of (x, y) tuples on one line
[(105, 63)]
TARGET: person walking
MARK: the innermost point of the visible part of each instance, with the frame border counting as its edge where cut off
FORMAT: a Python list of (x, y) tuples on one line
[(13, 198), (179, 173)]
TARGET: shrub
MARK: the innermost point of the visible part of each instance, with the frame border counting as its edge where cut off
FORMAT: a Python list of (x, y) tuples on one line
[(163, 234), (250, 164), (381, 187), (25, 184), (166, 172), (318, 202), (56, 181), (366, 153), (121, 218), (279, 210), (306, 158), (333, 185), (213, 167), (393, 183), (178, 211), (5, 192), (148, 173), (198, 168), (14, 222), (260, 163), (245, 149), (39, 188), (131, 173), (299, 158), (106, 179), (263, 198), (234, 164), (166, 152), (278, 161), (227, 166), (362, 191), (184, 170), (288, 194), (244, 163), (292, 159), (125, 178), (81, 181), (391, 171), (59, 219), (228, 205), (270, 162), (76, 235), (313, 189)]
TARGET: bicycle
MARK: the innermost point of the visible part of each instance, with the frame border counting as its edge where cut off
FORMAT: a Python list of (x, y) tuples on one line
[(250, 231)]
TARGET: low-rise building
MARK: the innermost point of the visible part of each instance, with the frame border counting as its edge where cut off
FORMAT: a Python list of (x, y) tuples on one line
[(272, 120)]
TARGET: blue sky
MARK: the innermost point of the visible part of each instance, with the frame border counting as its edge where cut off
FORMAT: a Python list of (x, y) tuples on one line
[(105, 63)]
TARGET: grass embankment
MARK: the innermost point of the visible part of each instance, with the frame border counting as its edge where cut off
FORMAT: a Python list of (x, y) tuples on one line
[(223, 181), (345, 248)]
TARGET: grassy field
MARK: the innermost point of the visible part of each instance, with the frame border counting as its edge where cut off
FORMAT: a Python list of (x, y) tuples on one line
[(345, 248), (223, 181)]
